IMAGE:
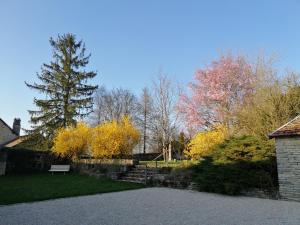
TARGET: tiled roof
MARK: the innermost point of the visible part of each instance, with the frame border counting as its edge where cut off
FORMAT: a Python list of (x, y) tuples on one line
[(14, 142), (291, 128)]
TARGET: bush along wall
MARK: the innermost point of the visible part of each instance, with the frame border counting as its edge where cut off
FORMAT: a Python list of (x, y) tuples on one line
[(28, 161), (238, 165)]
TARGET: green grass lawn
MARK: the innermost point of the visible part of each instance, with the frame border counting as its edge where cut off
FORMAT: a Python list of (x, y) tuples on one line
[(28, 188)]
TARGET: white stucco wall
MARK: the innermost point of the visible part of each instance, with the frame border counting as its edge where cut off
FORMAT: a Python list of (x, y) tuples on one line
[(5, 134)]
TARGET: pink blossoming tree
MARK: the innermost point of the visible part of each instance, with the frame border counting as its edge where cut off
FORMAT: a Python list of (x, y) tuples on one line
[(216, 92)]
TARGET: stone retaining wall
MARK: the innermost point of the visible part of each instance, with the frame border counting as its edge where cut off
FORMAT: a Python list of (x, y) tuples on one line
[(112, 168), (288, 163), (123, 162)]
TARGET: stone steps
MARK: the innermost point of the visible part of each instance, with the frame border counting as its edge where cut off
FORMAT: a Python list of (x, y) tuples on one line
[(138, 174)]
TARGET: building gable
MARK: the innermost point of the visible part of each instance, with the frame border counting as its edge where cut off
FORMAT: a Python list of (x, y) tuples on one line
[(291, 128), (6, 133)]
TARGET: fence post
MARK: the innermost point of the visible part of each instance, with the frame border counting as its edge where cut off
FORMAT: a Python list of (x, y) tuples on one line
[(146, 174)]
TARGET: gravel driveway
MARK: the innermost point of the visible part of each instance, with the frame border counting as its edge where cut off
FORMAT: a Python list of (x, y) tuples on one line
[(153, 206)]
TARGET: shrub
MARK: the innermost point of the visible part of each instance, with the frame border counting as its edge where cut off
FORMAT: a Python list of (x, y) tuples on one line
[(107, 140), (72, 141), (247, 148), (21, 161), (114, 139), (238, 164), (202, 143)]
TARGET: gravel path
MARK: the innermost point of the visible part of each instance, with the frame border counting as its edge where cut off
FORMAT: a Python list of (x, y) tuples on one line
[(153, 206)]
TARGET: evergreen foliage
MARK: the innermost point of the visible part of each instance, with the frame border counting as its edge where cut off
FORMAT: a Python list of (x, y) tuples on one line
[(179, 144), (238, 164), (246, 148), (64, 84)]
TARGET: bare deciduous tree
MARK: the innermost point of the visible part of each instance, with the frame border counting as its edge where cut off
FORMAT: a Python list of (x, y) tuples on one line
[(164, 100), (113, 105)]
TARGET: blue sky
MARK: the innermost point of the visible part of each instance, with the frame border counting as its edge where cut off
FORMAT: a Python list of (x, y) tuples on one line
[(131, 40)]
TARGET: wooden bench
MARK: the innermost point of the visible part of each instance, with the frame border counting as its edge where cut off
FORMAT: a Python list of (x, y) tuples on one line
[(59, 168)]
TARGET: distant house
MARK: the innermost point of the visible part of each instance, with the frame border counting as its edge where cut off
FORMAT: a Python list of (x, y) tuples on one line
[(9, 137)]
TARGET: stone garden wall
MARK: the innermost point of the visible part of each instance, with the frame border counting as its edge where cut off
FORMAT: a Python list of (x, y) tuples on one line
[(112, 168), (106, 161), (288, 163)]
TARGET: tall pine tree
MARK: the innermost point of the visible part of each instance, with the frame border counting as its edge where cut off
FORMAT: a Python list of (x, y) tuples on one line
[(64, 82), (146, 117)]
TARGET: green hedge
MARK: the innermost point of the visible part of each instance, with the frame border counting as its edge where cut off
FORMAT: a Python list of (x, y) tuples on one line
[(238, 164), (28, 161)]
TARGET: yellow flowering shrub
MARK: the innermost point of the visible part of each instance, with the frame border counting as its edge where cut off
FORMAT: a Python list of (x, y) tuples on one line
[(72, 141), (107, 140), (203, 142), (114, 139)]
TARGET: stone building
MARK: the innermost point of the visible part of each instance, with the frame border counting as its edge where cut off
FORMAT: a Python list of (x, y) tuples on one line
[(9, 136), (287, 139)]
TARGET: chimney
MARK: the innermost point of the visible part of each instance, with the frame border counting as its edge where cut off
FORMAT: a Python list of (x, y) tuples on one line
[(17, 126)]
